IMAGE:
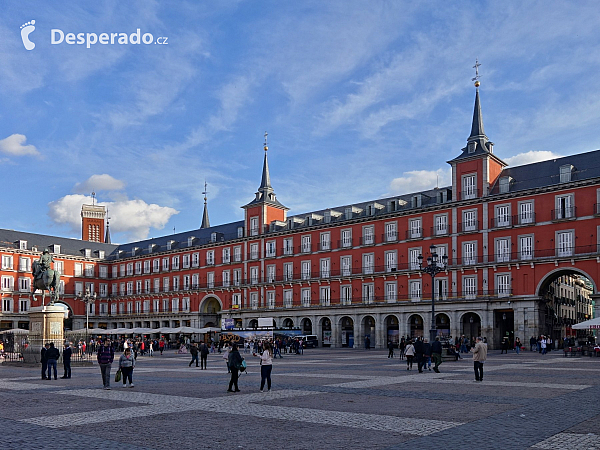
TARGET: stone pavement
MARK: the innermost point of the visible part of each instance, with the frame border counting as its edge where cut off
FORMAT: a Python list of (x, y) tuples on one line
[(327, 398)]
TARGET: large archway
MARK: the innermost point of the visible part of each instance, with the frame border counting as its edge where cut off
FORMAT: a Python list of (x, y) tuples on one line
[(288, 323), (347, 332), (470, 325), (326, 337), (442, 325), (306, 326), (210, 305), (368, 332), (415, 324), (392, 326)]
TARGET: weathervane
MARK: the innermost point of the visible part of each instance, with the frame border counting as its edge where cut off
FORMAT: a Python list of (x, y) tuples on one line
[(93, 198), (477, 76), (205, 192), (266, 147)]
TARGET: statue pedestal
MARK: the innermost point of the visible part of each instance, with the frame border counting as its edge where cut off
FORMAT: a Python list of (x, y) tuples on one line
[(45, 325)]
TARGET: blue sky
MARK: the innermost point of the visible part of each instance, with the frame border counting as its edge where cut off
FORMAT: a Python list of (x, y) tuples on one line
[(361, 100)]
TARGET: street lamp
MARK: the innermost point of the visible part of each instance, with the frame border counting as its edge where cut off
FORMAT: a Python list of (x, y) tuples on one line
[(88, 299), (433, 267)]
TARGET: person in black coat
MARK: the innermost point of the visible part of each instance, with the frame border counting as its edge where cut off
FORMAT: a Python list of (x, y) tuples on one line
[(419, 354), (67, 352), (390, 349), (52, 354), (436, 354), (234, 360), (44, 360)]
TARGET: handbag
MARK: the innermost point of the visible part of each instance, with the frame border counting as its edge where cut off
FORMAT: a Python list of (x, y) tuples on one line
[(118, 376)]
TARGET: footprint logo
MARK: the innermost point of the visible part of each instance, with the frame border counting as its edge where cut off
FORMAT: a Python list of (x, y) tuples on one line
[(26, 30)]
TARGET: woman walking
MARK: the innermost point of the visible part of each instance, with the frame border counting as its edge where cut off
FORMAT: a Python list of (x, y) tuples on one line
[(409, 352), (234, 361), (266, 365), (126, 364)]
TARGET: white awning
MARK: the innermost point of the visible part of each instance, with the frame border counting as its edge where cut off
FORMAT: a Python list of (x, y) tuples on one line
[(592, 324)]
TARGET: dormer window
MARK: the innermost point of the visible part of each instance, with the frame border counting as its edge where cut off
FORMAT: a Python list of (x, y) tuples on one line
[(348, 213), (240, 232), (101, 254), (308, 221), (471, 146), (22, 245), (416, 201), (170, 245), (134, 250), (504, 185), (327, 217), (56, 249), (150, 247), (213, 237), (565, 173), (370, 210), (190, 241), (87, 252)]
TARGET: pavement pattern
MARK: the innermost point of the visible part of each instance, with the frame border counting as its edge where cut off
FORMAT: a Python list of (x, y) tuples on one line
[(326, 398)]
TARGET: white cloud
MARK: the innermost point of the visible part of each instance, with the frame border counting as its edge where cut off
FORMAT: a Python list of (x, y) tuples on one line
[(97, 183), (15, 145), (420, 180), (134, 218), (530, 157)]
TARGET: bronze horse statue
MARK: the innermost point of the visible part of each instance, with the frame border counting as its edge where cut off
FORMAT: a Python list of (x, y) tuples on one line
[(49, 281)]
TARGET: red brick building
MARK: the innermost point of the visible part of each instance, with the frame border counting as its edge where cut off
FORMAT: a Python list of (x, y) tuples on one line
[(351, 271)]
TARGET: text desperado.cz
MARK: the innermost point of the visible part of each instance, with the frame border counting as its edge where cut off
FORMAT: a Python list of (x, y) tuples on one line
[(58, 36)]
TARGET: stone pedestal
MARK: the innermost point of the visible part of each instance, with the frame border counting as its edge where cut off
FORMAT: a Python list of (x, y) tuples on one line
[(45, 325)]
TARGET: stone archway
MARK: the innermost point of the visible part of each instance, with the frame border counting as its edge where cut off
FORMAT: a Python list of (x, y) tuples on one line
[(470, 325), (253, 323), (346, 326), (416, 325), (368, 332), (326, 331), (392, 326), (306, 326), (442, 325), (288, 323)]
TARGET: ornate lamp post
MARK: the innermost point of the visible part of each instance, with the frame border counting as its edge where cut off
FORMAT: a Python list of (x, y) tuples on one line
[(88, 299), (433, 267)]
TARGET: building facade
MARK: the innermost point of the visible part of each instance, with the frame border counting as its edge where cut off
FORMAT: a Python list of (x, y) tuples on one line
[(347, 272)]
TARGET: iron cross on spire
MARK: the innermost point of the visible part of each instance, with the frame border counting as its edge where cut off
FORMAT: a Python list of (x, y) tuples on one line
[(93, 198), (266, 146), (205, 191), (476, 67)]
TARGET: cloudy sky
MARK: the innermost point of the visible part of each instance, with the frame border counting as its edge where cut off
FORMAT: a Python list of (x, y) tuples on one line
[(360, 99)]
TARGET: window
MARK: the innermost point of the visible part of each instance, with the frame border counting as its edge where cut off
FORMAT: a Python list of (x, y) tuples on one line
[(346, 266), (565, 173), (391, 289), (7, 262), (165, 305), (368, 293), (254, 251), (441, 224), (253, 226), (7, 305), (240, 232), (237, 277), (526, 247), (564, 207), (502, 250), (325, 295), (156, 265), (441, 288), (270, 249), (414, 228), (236, 301), (288, 246), (346, 295), (156, 285), (503, 284), (56, 249), (210, 257), (186, 261), (213, 237), (254, 300), (138, 268), (138, 287), (130, 288), (129, 269), (175, 305), (254, 275), (24, 284), (146, 306), (305, 270), (185, 304), (79, 269), (195, 259), (237, 254), (413, 258), (271, 273), (391, 233), (288, 301), (210, 280), (469, 220), (368, 263), (503, 215), (346, 238), (470, 287), (305, 297), (195, 281), (504, 185), (469, 253), (165, 264), (175, 262), (368, 235), (23, 245), (469, 187), (270, 299), (414, 289), (526, 212), (23, 305), (348, 213), (175, 283), (113, 309), (166, 284), (564, 242), (89, 270), (325, 268), (103, 289), (288, 271), (147, 288), (325, 241), (227, 255), (60, 268), (306, 244), (391, 261), (24, 264)]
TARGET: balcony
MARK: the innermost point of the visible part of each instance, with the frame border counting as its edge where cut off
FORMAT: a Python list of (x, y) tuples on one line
[(469, 227), (439, 231), (468, 194), (367, 240), (524, 219), (324, 246), (389, 236), (305, 248), (567, 213), (501, 222), (345, 243), (414, 233)]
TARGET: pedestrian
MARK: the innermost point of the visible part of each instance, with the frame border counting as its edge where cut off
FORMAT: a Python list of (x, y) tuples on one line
[(479, 357), (504, 346), (463, 344), (367, 342), (67, 352), (161, 346), (226, 358), (532, 343), (436, 354), (126, 365), (151, 348), (52, 354), (518, 345), (194, 353), (266, 366), (409, 352), (402, 346), (543, 345), (204, 350), (44, 360), (390, 348), (105, 357), (419, 354), (427, 354), (234, 362)]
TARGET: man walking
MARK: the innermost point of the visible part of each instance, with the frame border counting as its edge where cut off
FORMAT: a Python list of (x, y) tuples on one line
[(419, 354), (204, 351), (194, 353), (390, 348), (67, 352), (44, 360), (436, 354), (106, 356), (479, 357)]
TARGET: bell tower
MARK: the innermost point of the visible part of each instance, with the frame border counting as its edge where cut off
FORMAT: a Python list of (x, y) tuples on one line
[(93, 218)]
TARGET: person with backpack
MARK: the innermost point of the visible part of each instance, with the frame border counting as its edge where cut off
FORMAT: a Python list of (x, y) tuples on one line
[(204, 350), (234, 362)]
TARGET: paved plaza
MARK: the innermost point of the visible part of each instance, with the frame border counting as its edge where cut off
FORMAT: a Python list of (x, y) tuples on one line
[(331, 399)]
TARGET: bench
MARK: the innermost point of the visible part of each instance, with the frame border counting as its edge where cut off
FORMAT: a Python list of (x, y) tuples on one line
[(572, 352)]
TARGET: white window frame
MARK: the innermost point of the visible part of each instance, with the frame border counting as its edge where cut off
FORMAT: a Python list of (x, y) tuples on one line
[(415, 292)]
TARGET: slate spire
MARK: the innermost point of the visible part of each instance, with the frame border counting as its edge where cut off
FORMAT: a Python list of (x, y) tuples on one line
[(477, 126), (205, 222), (265, 182)]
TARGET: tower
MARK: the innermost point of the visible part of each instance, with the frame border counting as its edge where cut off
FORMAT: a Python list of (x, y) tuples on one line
[(265, 208), (205, 222), (92, 223)]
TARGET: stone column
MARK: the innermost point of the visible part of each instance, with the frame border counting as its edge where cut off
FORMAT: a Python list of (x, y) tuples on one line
[(335, 331), (45, 325)]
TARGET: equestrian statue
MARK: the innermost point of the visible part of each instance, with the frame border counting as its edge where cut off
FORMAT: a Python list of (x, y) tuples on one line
[(45, 278)]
